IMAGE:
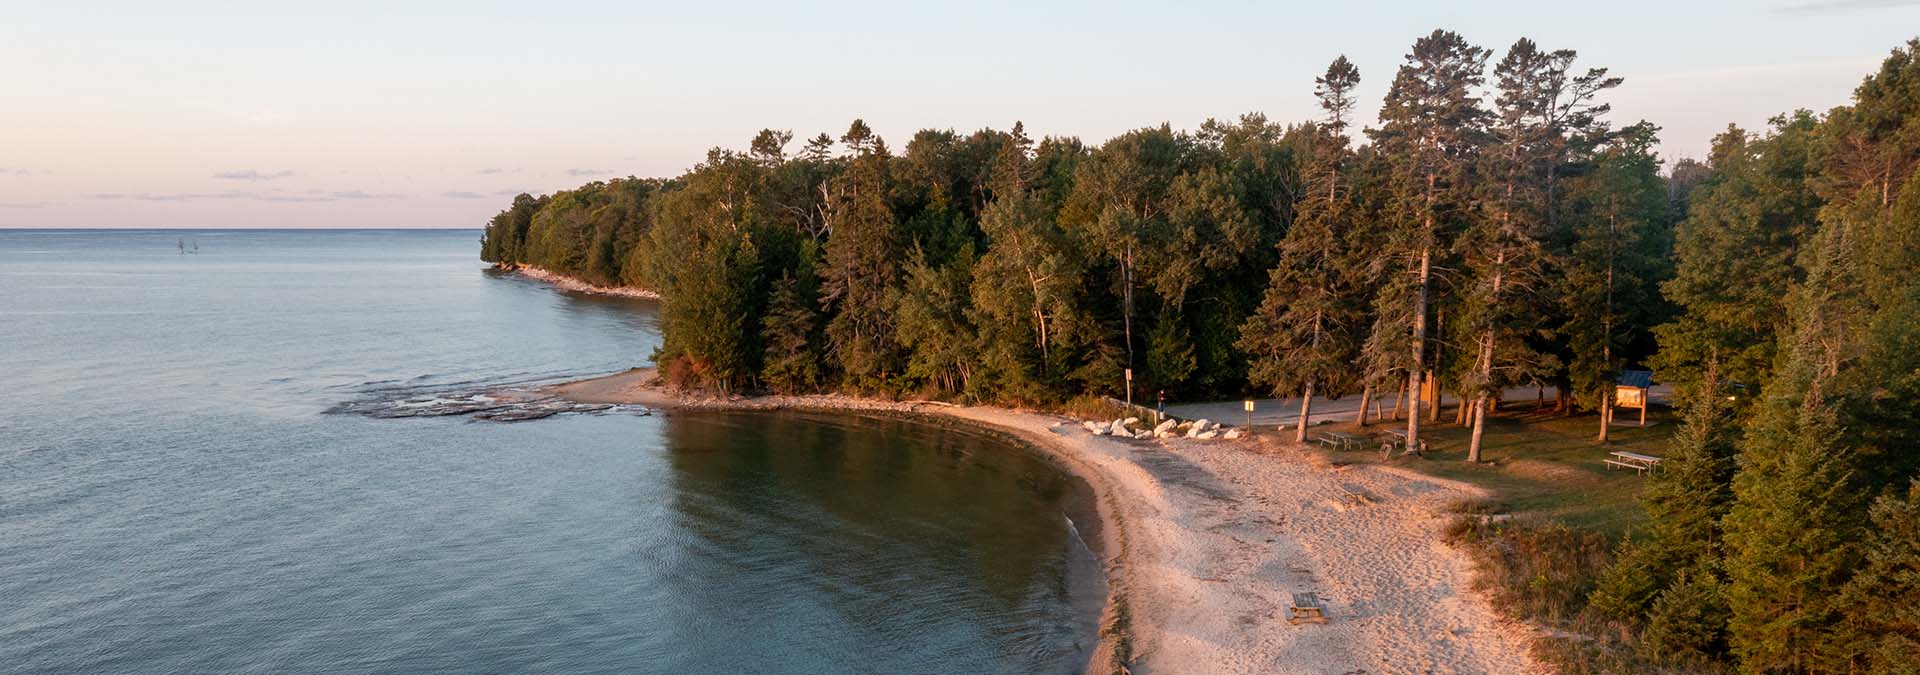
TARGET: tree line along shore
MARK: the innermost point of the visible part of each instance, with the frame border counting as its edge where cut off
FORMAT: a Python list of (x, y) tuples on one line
[(1495, 229)]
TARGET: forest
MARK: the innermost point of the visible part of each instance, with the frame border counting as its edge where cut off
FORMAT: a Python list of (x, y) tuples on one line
[(1495, 229)]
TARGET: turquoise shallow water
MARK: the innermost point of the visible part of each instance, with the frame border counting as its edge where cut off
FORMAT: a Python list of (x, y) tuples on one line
[(174, 496)]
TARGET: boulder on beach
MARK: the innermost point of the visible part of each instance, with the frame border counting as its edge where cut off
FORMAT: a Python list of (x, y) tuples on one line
[(1208, 435), (1119, 427), (1231, 434), (1164, 427), (1199, 427)]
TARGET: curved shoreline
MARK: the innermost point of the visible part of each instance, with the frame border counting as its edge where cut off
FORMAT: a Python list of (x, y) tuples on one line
[(1203, 543), (1110, 655), (574, 284)]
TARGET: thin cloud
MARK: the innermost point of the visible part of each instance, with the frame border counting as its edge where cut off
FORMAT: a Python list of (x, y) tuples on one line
[(23, 205), (270, 196), (359, 194), (9, 171), (462, 194), (582, 173), (511, 193), (1835, 6), (253, 175), (490, 171)]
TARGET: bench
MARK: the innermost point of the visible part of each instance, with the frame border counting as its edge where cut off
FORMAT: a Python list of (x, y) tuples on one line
[(1617, 464), (1306, 608)]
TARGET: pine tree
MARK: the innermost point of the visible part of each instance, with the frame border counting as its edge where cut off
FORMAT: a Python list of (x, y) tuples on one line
[(1431, 128), (1685, 502), (1541, 99), (862, 261), (1301, 337)]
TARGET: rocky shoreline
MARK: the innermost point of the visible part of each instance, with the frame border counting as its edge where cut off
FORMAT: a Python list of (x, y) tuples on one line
[(573, 284)]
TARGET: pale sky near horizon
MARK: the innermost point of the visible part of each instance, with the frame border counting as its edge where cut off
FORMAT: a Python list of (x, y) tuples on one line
[(356, 114)]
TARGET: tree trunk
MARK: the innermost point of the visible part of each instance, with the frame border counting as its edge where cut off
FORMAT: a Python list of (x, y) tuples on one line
[(1366, 396), (1419, 332), (1606, 416), (1434, 384), (1479, 427), (1126, 292), (1397, 400), (1306, 408)]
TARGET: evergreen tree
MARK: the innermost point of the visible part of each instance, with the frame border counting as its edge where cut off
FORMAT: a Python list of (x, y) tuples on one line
[(707, 270), (1883, 621), (1540, 100), (1431, 128), (792, 359), (862, 260), (1302, 336)]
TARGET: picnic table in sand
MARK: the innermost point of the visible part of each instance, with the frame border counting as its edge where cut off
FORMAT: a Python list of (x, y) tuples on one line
[(1306, 607)]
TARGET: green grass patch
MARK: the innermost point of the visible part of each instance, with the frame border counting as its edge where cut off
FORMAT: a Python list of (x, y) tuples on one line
[(1539, 464)]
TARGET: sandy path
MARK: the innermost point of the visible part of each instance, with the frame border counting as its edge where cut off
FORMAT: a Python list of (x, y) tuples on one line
[(1206, 541)]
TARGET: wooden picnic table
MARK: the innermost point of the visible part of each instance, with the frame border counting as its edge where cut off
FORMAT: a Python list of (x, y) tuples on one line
[(1623, 459), (1341, 440)]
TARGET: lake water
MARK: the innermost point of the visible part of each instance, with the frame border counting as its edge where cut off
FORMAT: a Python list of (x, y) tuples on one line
[(175, 497)]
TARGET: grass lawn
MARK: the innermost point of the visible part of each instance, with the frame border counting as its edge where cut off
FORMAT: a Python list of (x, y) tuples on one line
[(1538, 464)]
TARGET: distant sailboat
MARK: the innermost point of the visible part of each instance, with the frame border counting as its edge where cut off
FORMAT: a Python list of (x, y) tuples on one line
[(183, 246)]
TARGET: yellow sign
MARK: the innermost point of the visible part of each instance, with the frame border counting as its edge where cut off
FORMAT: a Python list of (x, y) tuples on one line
[(1249, 405)]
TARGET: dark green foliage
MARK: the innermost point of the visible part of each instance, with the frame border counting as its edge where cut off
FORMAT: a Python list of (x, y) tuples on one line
[(862, 261), (1687, 625), (792, 359), (1735, 254), (1883, 623)]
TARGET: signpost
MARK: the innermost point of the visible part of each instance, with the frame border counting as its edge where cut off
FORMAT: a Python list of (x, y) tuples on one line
[(1249, 406), (1129, 389)]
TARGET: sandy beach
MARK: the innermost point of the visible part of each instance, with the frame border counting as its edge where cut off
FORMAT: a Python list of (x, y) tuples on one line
[(1206, 541)]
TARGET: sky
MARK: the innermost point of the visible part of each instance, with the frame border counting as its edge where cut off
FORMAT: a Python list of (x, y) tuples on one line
[(433, 114)]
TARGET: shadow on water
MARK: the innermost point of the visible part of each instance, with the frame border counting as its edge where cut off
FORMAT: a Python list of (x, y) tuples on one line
[(894, 530)]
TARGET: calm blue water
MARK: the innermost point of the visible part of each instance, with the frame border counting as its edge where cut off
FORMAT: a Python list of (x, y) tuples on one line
[(174, 498)]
